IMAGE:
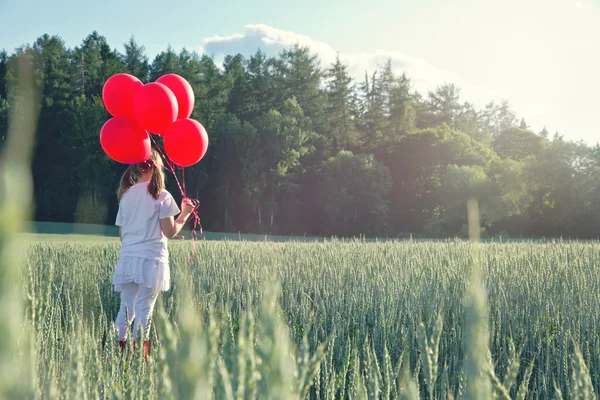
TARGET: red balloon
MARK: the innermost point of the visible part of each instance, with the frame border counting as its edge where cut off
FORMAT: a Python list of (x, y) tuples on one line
[(123, 140), (118, 94), (182, 91), (155, 107), (186, 142)]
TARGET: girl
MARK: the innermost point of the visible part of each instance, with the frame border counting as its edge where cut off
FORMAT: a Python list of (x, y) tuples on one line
[(146, 220)]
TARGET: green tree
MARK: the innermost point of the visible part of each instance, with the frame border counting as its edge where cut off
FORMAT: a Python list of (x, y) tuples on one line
[(299, 75), (51, 63), (354, 193), (190, 67), (551, 177), (166, 62), (284, 138), (467, 121), (3, 74), (403, 113), (51, 69), (226, 140), (586, 168), (517, 143), (260, 70), (444, 104), (3, 97), (4, 112), (512, 194), (254, 175), (339, 102), (135, 60), (458, 184), (523, 124), (92, 64), (372, 118), (389, 110), (93, 171), (270, 158), (240, 101), (385, 85), (417, 162), (23, 55), (497, 118), (212, 100), (502, 194)]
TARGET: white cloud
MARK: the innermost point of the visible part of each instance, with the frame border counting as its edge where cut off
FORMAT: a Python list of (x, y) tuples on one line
[(272, 41)]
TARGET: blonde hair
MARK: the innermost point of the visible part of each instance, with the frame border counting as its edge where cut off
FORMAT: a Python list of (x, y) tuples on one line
[(134, 173)]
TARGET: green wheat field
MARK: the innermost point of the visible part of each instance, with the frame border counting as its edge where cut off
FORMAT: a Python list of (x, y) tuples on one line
[(322, 320)]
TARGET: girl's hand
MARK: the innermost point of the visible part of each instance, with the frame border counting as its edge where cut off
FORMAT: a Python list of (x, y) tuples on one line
[(171, 227), (188, 205)]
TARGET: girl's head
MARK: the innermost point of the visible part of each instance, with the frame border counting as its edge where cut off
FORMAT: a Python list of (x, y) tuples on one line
[(150, 171)]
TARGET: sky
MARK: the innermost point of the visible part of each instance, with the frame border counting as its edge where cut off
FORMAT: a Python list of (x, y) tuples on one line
[(543, 56)]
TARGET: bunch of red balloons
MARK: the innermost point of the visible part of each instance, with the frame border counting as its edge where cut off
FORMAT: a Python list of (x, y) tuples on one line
[(163, 108)]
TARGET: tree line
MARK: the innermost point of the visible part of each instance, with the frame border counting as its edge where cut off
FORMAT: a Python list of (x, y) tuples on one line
[(297, 147)]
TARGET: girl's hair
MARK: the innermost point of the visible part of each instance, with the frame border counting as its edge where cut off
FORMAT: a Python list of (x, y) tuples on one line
[(135, 172)]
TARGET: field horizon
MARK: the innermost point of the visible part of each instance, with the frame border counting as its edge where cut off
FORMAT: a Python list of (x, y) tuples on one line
[(61, 231)]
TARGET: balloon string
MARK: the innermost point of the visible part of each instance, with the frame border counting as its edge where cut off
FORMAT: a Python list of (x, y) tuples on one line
[(183, 190), (183, 180)]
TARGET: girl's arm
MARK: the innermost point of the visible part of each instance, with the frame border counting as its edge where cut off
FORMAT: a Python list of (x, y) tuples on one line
[(171, 227)]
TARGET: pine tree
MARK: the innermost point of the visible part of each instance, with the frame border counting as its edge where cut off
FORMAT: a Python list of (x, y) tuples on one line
[(51, 67), (260, 70), (523, 124), (190, 68), (213, 97), (135, 60), (497, 117), (299, 75), (385, 86), (166, 62), (3, 97), (226, 175), (354, 191), (3, 73), (467, 121), (341, 126), (360, 103), (373, 118), (402, 118), (240, 101), (271, 158), (444, 104), (517, 144), (92, 64)]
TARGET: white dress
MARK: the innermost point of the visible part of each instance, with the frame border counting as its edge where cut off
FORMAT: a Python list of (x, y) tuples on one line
[(144, 257)]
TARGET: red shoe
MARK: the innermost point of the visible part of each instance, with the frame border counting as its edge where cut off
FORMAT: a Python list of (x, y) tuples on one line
[(146, 349)]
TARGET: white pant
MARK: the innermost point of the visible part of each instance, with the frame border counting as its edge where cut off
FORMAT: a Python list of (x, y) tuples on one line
[(139, 302)]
